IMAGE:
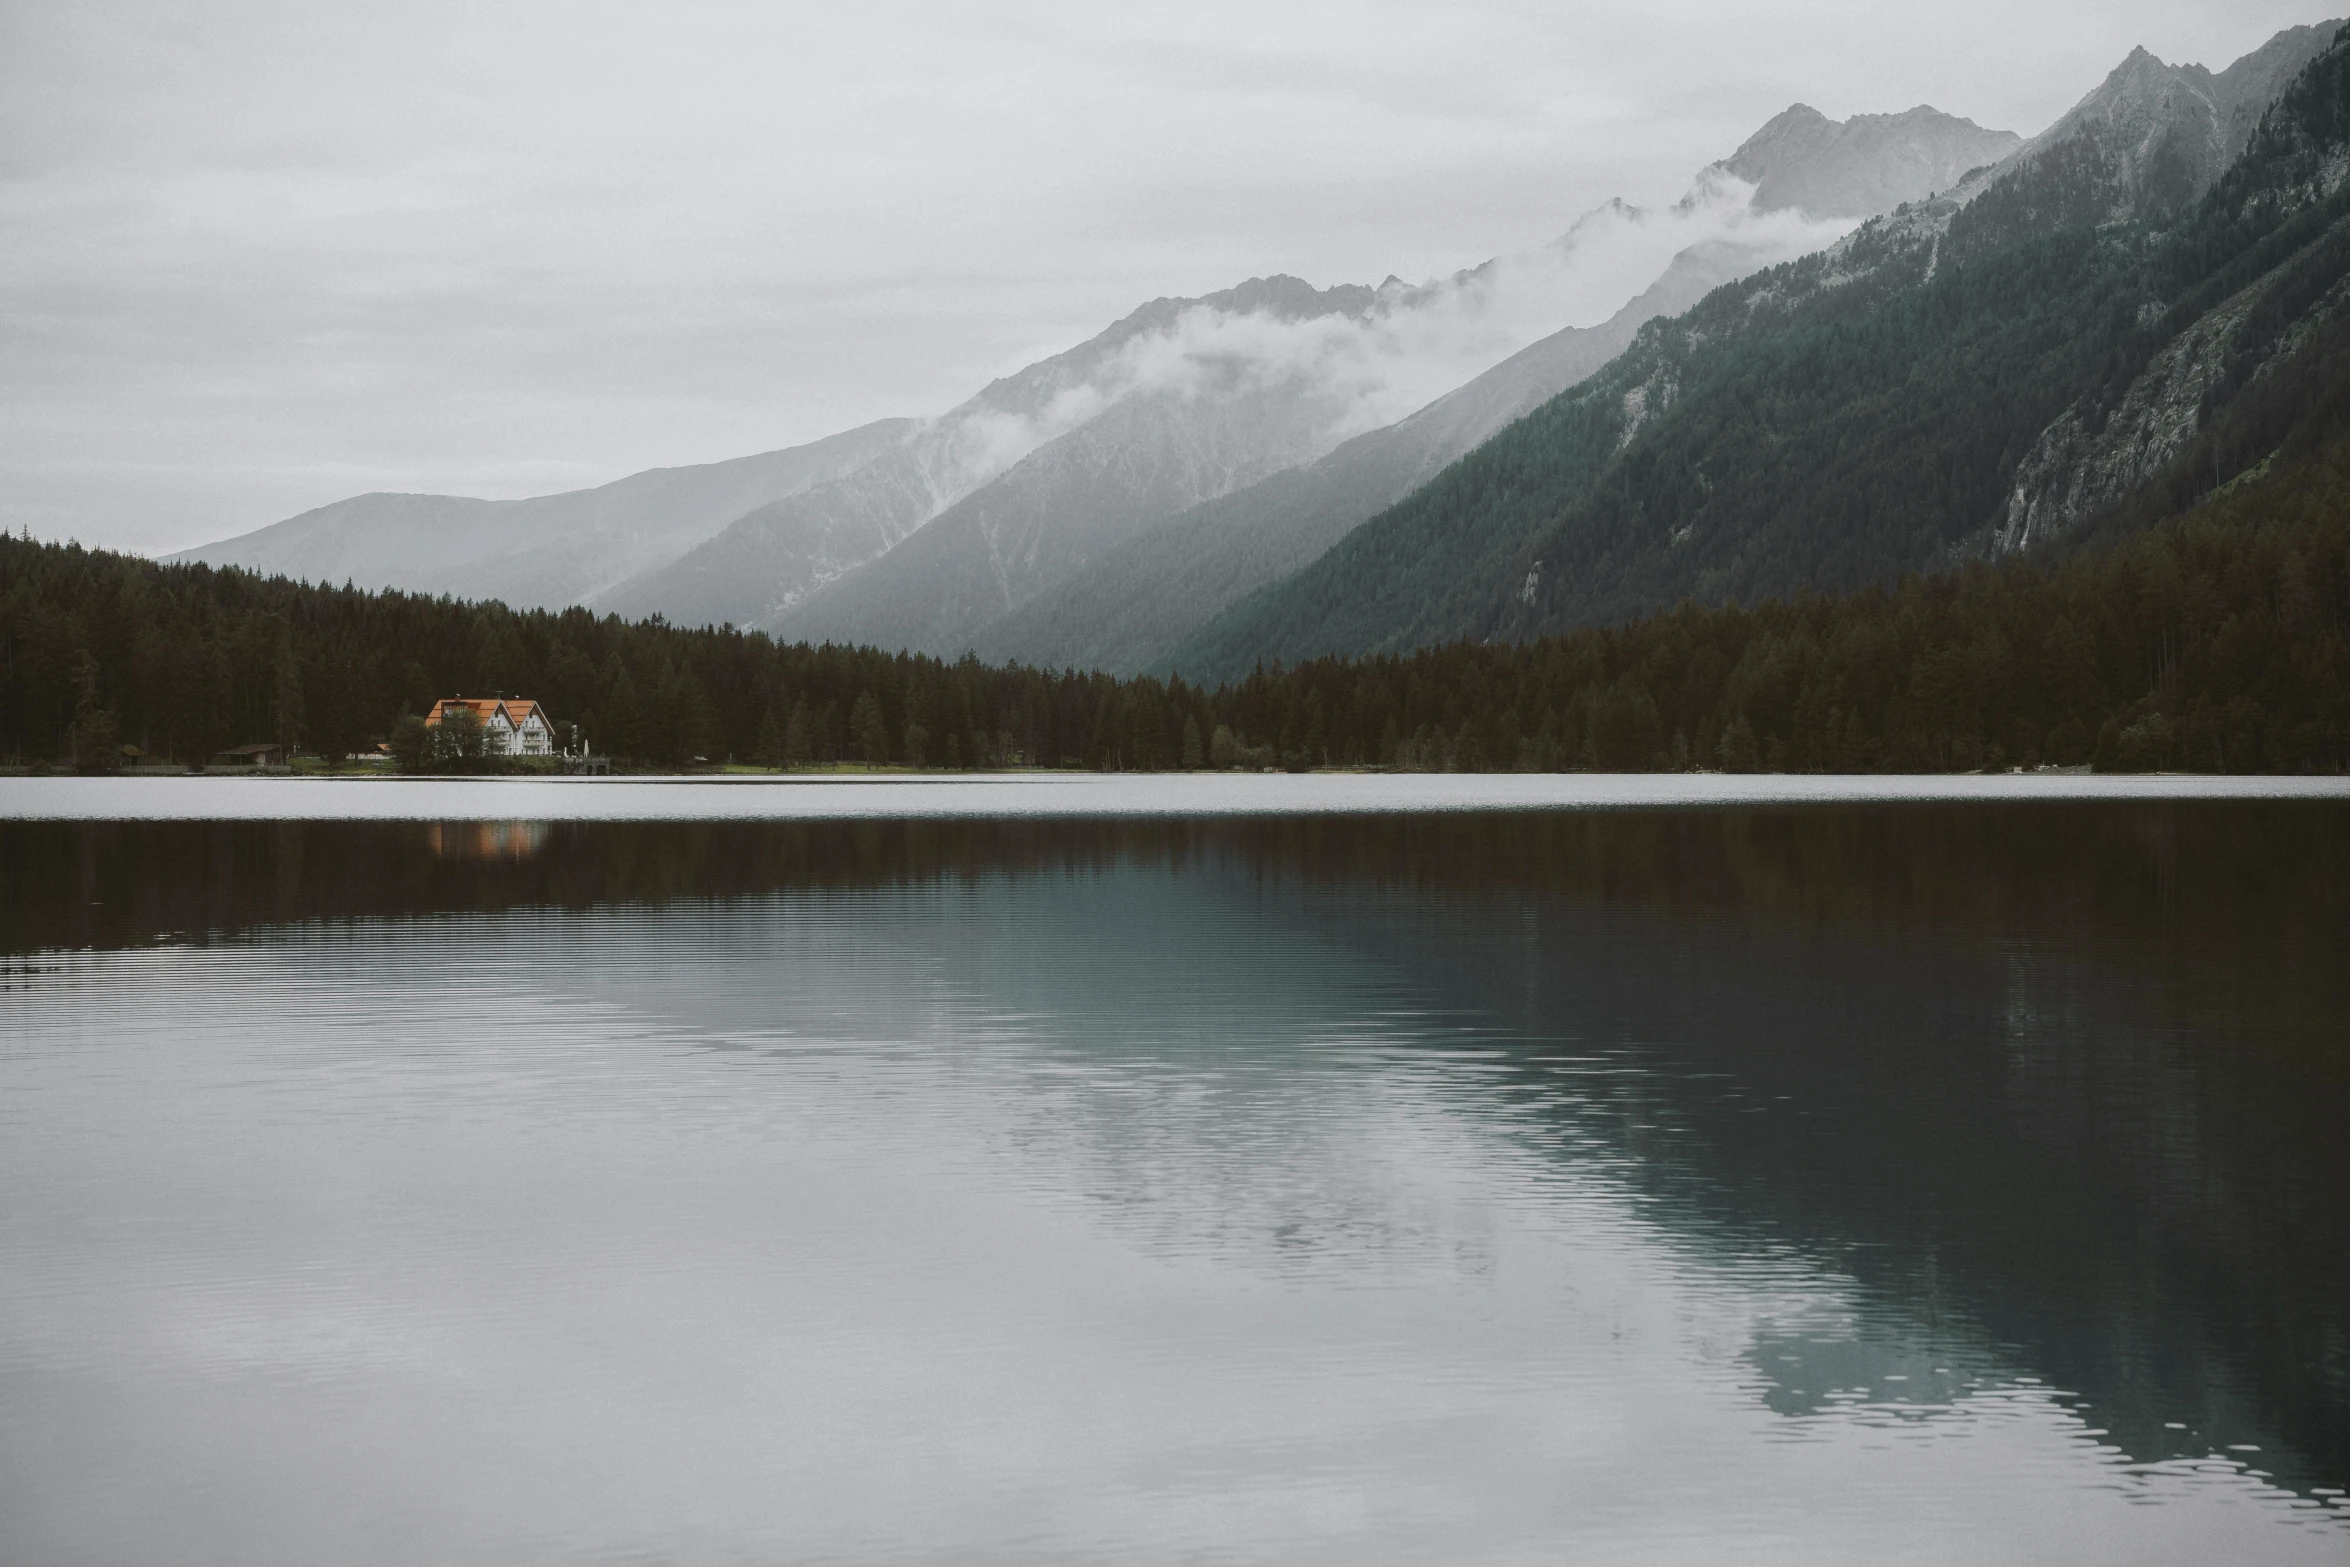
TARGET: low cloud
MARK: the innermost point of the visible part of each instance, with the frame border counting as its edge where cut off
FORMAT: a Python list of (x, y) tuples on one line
[(1346, 373)]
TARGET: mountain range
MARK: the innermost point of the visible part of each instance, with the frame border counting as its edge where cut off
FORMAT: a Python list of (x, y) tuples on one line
[(546, 550), (931, 534), (2005, 362), (1853, 350)]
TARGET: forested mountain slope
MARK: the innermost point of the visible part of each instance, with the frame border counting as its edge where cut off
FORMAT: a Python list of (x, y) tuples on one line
[(1871, 410), (2216, 640)]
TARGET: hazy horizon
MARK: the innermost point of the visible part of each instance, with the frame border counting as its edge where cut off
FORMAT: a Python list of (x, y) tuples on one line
[(269, 259)]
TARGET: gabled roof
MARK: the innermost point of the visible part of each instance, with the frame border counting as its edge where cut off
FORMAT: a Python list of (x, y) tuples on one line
[(516, 709)]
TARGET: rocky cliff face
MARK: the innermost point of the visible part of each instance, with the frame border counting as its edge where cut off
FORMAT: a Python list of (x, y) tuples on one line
[(2102, 449), (2086, 463)]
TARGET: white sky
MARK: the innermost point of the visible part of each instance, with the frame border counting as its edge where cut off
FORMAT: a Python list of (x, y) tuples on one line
[(258, 256)]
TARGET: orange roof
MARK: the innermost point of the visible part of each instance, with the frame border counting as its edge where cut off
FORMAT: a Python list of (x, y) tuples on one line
[(517, 709)]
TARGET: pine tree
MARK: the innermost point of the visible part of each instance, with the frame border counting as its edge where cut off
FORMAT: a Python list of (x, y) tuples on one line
[(286, 696), (1738, 753), (798, 744), (90, 739), (869, 731)]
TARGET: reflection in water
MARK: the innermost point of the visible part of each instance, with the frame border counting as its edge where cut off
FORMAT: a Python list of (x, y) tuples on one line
[(1938, 1183), (485, 840)]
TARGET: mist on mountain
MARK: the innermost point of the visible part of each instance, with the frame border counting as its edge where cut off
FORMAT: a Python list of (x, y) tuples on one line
[(1350, 358)]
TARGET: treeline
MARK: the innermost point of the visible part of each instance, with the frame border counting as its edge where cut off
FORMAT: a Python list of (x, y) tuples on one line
[(100, 650), (2217, 641)]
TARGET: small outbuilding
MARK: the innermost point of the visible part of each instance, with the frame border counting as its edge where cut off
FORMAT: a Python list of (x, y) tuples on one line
[(262, 753)]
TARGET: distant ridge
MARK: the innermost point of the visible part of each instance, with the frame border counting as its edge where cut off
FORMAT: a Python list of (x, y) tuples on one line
[(549, 550)]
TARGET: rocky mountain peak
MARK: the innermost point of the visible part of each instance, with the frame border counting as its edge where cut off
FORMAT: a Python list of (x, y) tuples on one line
[(2153, 135), (1854, 168), (2245, 89), (1291, 298), (2142, 94)]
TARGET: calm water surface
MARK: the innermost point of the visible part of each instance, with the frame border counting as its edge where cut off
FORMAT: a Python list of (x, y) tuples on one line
[(1863, 1183)]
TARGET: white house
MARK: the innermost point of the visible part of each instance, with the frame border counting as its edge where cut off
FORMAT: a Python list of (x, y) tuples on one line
[(510, 726)]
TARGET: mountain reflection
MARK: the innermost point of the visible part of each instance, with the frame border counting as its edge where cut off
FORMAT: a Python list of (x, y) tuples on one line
[(2040, 1101)]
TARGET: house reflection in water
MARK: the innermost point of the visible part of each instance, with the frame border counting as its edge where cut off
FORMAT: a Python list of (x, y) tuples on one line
[(486, 840)]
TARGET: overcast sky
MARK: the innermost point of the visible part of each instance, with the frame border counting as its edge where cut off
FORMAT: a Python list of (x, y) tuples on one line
[(255, 257)]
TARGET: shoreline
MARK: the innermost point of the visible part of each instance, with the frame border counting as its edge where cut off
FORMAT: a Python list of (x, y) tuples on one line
[(850, 797)]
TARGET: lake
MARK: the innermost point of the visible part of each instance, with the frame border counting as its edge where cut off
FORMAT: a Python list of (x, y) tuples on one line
[(1281, 1170)]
